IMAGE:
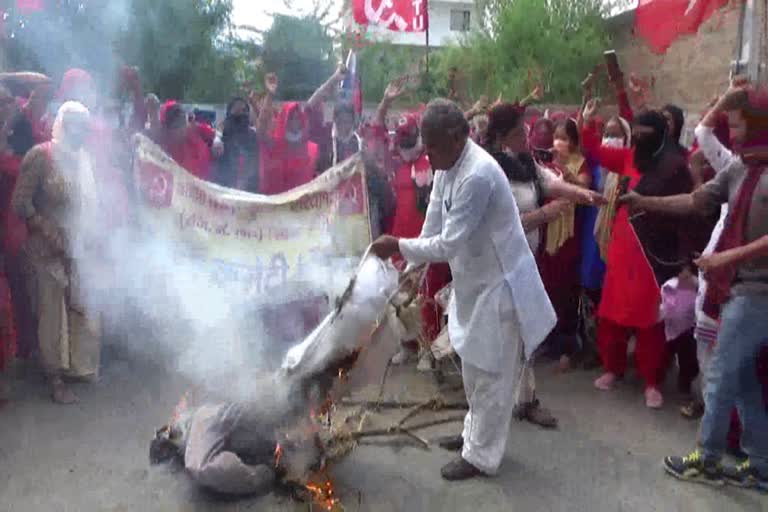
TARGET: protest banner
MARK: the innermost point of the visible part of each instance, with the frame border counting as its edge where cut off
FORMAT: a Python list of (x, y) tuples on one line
[(287, 250)]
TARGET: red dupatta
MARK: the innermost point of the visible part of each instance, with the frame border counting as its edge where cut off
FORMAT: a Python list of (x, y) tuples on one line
[(285, 165)]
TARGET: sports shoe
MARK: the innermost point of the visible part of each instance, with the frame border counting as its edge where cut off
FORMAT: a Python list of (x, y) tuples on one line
[(653, 398), (744, 475), (694, 468), (606, 382)]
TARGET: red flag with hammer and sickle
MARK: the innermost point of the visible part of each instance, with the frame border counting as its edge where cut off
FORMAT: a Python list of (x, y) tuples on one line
[(396, 15)]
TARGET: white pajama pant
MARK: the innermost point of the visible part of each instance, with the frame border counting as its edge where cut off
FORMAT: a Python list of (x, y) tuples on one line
[(492, 398)]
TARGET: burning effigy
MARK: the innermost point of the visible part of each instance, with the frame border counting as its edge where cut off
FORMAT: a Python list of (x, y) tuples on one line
[(283, 435)]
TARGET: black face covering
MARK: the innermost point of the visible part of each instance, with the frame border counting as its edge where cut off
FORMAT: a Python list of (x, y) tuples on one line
[(648, 148), (239, 121)]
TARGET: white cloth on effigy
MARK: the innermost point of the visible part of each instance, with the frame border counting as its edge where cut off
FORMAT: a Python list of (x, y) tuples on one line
[(500, 312)]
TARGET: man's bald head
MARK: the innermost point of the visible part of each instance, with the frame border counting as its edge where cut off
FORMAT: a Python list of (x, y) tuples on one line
[(444, 132)]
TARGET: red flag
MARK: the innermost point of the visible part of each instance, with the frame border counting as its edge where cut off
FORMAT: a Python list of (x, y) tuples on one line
[(397, 15), (660, 22)]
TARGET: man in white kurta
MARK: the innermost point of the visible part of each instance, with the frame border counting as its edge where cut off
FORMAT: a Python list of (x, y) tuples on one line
[(499, 313)]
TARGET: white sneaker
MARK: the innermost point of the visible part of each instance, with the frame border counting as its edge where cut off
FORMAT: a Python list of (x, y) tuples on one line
[(403, 356), (425, 361)]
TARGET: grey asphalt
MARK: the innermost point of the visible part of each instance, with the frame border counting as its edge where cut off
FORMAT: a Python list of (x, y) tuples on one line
[(606, 456)]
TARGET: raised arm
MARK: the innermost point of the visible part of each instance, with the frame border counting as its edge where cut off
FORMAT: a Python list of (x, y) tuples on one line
[(536, 95), (612, 159), (720, 157), (325, 90), (131, 83), (265, 111), (393, 91)]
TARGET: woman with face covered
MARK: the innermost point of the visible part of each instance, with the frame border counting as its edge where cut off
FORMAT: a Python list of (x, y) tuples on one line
[(188, 144), (57, 195), (289, 156), (238, 166), (644, 251), (412, 178)]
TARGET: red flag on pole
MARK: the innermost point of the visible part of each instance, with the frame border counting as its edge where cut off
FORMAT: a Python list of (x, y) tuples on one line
[(396, 15), (660, 22)]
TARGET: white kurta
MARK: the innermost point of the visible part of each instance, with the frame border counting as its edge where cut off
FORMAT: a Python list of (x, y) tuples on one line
[(473, 223), (500, 312)]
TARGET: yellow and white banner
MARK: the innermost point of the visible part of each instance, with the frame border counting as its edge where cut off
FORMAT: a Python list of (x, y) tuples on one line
[(265, 243)]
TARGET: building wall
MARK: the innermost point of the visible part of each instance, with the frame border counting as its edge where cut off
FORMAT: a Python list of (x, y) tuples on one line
[(693, 70), (440, 33)]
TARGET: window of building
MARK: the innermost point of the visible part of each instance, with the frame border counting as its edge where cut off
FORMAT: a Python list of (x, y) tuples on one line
[(460, 20)]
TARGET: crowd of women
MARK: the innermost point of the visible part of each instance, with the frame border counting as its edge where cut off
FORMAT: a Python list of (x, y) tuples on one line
[(656, 260)]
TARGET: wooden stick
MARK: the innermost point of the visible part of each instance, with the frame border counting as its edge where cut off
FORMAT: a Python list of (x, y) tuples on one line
[(423, 442), (394, 404), (395, 430), (413, 412), (383, 382)]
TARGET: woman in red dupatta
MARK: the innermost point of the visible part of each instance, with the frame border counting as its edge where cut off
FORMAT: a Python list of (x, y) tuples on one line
[(643, 252), (188, 144), (289, 158), (412, 175)]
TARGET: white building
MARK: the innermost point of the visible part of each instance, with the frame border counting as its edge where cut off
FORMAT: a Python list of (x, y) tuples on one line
[(448, 21)]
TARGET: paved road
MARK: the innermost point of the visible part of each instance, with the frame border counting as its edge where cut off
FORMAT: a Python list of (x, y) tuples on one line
[(605, 457)]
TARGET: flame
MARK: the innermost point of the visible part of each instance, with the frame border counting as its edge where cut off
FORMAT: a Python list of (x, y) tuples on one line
[(278, 455), (324, 495), (180, 408)]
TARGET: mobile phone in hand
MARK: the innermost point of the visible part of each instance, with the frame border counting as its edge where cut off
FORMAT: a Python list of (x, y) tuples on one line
[(612, 65)]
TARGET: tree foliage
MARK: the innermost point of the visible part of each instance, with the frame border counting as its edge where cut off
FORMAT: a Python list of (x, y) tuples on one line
[(183, 48), (176, 45), (525, 42), (300, 51)]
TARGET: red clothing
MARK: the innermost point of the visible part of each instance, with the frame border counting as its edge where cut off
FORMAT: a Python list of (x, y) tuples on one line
[(285, 166), (438, 276), (13, 228), (7, 328), (650, 352), (408, 218), (192, 152), (14, 233), (407, 223), (631, 295)]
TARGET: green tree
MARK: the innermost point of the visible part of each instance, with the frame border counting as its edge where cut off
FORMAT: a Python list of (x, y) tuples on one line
[(555, 42), (300, 51), (179, 49), (183, 48)]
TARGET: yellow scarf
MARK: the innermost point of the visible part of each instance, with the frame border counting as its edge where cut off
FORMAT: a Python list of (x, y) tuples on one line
[(604, 221), (562, 229)]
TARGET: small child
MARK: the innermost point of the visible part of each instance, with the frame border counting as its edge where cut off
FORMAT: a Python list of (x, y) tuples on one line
[(678, 311)]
